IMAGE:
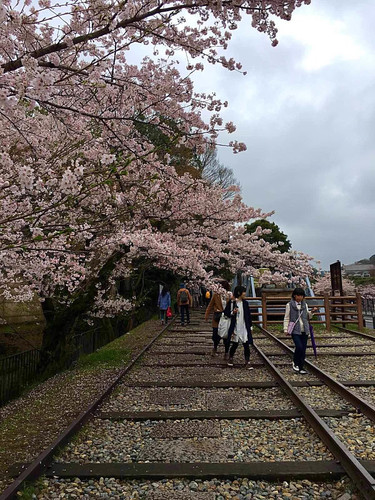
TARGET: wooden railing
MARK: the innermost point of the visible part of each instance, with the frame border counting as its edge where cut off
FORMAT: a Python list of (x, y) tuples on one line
[(333, 310)]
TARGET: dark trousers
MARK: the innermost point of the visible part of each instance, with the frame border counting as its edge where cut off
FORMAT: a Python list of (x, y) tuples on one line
[(246, 350), (185, 308), (300, 341), (163, 315), (216, 339)]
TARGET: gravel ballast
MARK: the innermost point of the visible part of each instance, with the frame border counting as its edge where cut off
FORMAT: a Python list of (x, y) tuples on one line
[(171, 398), (179, 489), (234, 441), (197, 440)]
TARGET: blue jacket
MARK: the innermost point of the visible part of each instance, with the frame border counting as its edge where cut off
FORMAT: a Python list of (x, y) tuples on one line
[(164, 302)]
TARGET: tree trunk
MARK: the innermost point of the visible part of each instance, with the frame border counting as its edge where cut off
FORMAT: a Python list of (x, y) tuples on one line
[(57, 347)]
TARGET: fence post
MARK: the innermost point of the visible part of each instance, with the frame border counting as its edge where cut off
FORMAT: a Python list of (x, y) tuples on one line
[(264, 311), (359, 312), (327, 311)]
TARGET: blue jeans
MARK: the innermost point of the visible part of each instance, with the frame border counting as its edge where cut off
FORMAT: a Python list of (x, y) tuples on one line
[(163, 315), (300, 341)]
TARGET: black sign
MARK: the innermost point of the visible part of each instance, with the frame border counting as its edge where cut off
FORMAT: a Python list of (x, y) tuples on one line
[(336, 278)]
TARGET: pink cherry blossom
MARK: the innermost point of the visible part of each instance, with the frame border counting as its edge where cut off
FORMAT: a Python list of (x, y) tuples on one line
[(85, 176)]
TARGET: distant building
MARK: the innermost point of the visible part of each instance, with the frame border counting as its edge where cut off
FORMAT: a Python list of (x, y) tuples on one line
[(359, 270)]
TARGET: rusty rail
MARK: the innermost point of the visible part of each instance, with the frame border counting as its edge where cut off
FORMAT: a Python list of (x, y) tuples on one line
[(44, 459), (359, 403), (356, 471)]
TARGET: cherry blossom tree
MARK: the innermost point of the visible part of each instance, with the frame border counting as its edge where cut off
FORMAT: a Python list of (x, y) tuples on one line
[(367, 291), (85, 191), (323, 285)]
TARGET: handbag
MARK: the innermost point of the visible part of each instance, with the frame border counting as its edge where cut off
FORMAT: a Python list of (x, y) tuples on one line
[(217, 315), (169, 312), (224, 324), (223, 327), (292, 324)]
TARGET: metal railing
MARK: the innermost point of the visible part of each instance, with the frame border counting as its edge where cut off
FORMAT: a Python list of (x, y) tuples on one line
[(19, 370), (16, 371)]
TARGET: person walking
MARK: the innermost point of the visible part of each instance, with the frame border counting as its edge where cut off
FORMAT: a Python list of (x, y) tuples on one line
[(184, 302), (241, 325), (216, 307), (297, 312), (164, 301)]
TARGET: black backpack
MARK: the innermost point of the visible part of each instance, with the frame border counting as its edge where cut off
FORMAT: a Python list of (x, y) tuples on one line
[(184, 298)]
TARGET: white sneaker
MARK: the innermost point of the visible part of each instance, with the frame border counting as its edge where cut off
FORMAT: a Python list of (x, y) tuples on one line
[(303, 372), (295, 368)]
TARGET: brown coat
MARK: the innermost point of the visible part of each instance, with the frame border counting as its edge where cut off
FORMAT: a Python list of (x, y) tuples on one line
[(215, 305), (189, 296)]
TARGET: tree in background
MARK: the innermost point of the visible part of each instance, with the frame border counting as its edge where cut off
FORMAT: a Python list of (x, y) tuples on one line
[(88, 197), (367, 291), (323, 285), (371, 260), (271, 233), (216, 174)]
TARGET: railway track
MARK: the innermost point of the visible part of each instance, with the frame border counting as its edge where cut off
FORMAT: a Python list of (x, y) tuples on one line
[(180, 424)]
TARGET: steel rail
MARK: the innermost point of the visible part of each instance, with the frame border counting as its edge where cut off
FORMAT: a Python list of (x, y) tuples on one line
[(355, 332), (364, 406), (44, 459), (355, 470)]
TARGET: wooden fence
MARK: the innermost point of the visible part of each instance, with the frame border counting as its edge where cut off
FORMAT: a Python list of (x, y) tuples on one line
[(333, 310)]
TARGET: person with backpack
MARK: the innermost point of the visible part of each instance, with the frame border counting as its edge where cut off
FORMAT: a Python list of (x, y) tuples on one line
[(164, 301), (184, 302)]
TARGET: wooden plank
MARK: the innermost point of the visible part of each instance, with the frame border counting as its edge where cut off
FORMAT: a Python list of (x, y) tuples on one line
[(248, 385), (211, 384), (319, 470), (320, 353), (214, 414), (206, 364), (159, 352)]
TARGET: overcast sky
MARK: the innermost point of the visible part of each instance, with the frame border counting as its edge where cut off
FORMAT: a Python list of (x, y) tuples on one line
[(306, 111)]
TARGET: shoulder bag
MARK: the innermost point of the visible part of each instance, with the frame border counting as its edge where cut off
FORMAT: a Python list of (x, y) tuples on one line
[(292, 324), (224, 325)]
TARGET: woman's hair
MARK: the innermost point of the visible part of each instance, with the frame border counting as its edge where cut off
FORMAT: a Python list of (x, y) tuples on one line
[(238, 291), (224, 284), (298, 291), (164, 290)]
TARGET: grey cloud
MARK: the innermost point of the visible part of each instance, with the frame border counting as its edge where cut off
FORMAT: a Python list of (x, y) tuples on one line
[(310, 136)]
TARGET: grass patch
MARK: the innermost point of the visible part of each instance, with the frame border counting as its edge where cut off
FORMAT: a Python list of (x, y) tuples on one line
[(31, 490), (116, 353), (109, 357), (28, 493)]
